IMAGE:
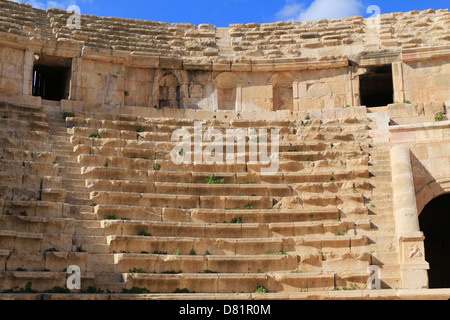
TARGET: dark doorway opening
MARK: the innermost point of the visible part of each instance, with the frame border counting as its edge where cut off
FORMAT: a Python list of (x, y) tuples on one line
[(51, 78), (435, 224), (377, 86)]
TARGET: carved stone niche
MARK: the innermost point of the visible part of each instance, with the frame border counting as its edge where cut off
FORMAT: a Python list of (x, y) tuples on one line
[(228, 91), (282, 91), (413, 265), (170, 89)]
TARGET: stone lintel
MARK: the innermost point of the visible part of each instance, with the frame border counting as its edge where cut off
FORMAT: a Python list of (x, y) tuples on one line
[(423, 54), (197, 65), (377, 58), (105, 55)]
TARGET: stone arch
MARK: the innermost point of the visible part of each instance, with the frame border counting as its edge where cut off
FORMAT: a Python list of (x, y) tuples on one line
[(431, 191), (226, 85), (282, 91), (227, 80), (168, 89), (435, 224)]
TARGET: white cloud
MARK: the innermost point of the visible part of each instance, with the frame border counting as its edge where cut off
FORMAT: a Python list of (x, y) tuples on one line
[(62, 4), (319, 9)]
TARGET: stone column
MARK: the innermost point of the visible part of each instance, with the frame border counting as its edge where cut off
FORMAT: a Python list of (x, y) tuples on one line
[(28, 64), (397, 79), (406, 216), (75, 79), (295, 95), (239, 97), (216, 99), (302, 89), (411, 247)]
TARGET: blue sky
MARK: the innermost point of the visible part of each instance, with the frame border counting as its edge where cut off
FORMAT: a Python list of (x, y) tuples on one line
[(221, 13)]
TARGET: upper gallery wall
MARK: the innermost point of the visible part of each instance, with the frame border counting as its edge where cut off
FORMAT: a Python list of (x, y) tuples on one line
[(292, 66)]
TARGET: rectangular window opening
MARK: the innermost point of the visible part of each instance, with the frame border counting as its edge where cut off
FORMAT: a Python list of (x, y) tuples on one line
[(377, 86), (51, 77)]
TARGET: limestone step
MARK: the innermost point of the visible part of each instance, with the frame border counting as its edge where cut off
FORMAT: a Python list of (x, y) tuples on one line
[(221, 230), (383, 190), (74, 185), (40, 281), (90, 231), (239, 246), (57, 129), (63, 149), (212, 202), (74, 182), (384, 258), (25, 115), (187, 176), (216, 246), (387, 198), (264, 216), (380, 180), (74, 208), (380, 172), (25, 242), (231, 283), (163, 132), (100, 258), (77, 197), (80, 224), (386, 163), (161, 264), (381, 243), (92, 248), (379, 157), (23, 108), (59, 139), (64, 170), (66, 159)]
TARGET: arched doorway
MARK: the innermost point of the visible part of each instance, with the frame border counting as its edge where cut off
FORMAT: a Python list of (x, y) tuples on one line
[(435, 224)]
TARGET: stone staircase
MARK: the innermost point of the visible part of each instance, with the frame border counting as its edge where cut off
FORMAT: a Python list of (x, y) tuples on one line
[(110, 200)]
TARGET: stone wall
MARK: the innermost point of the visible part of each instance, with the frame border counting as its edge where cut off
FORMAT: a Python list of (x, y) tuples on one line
[(427, 80), (11, 70), (102, 82)]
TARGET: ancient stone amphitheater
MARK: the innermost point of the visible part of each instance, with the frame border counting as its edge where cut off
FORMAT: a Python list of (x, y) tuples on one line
[(87, 179)]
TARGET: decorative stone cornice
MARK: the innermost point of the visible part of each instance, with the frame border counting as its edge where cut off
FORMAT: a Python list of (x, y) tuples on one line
[(419, 54)]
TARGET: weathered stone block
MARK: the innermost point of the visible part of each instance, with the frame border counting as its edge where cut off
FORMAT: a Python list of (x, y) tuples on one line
[(59, 241), (58, 261), (10, 85), (53, 195), (31, 182), (434, 108), (26, 260), (48, 209), (24, 194)]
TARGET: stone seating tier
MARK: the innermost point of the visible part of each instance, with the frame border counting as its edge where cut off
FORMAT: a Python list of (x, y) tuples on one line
[(101, 204)]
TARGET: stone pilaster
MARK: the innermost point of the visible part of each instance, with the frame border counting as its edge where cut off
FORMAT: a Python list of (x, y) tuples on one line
[(410, 239)]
